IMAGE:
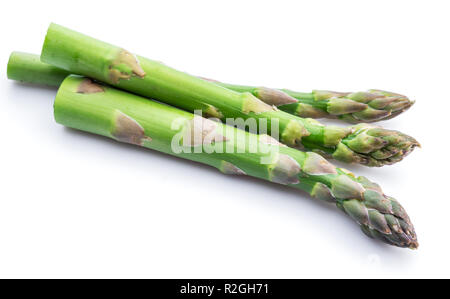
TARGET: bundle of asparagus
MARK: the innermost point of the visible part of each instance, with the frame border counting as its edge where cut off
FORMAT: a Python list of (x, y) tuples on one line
[(89, 105)]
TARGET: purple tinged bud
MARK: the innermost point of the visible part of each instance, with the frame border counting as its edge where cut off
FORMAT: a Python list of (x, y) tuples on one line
[(274, 97), (338, 106), (370, 114), (344, 187), (355, 209), (315, 164), (285, 170), (378, 222), (322, 192), (374, 199)]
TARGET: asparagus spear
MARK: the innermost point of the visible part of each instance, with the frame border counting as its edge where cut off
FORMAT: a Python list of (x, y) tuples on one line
[(82, 104), (353, 107), (80, 54), (28, 68)]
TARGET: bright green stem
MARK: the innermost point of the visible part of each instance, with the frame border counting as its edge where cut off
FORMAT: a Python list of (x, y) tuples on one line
[(28, 68), (87, 106), (86, 56)]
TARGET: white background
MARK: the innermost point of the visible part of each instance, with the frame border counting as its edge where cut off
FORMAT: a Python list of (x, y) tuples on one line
[(77, 205)]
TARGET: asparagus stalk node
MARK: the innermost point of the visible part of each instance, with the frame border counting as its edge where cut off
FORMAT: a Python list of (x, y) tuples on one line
[(353, 107), (85, 105), (80, 54)]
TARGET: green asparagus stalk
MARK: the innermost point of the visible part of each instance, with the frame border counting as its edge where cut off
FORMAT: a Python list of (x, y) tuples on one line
[(28, 68), (84, 55), (353, 107), (85, 105)]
